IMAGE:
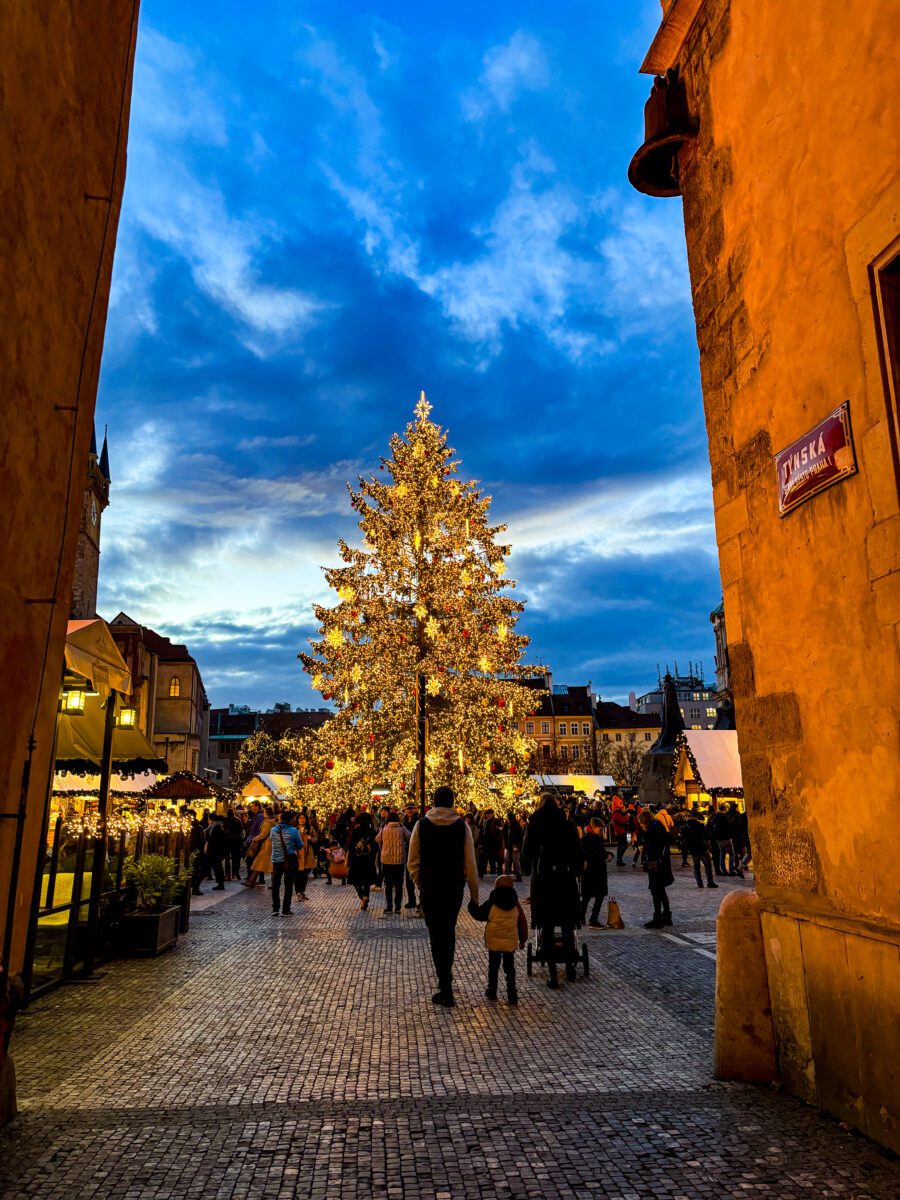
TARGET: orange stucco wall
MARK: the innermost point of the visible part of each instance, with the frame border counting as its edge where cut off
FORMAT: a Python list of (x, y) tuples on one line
[(790, 190), (65, 84)]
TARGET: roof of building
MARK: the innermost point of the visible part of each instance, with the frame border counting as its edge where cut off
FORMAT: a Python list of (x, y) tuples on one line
[(165, 649), (230, 723), (618, 716)]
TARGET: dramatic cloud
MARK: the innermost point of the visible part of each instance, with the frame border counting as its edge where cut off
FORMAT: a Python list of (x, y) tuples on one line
[(323, 215)]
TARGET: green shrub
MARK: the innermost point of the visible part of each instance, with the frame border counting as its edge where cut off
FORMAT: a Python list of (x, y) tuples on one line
[(158, 880)]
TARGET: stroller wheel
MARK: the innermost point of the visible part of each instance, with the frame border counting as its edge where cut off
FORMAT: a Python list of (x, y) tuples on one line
[(585, 960)]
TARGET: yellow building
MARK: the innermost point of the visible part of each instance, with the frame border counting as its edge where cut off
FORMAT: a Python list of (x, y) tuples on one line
[(777, 124)]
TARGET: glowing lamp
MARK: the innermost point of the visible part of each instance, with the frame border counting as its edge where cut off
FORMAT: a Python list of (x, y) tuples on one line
[(127, 718), (72, 702)]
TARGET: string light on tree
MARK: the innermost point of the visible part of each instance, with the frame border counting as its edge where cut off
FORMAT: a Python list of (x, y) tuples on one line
[(422, 606)]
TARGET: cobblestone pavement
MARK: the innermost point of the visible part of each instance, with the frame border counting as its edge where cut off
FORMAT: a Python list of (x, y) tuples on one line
[(267, 1057)]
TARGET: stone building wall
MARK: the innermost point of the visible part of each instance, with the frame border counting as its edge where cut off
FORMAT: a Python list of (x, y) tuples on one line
[(65, 82), (789, 191)]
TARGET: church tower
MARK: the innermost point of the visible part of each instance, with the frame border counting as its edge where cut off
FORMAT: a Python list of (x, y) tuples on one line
[(87, 555)]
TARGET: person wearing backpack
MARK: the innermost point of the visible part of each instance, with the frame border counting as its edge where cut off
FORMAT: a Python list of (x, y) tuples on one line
[(287, 846), (361, 858)]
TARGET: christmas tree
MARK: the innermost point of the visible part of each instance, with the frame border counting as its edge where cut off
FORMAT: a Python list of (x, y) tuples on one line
[(421, 649)]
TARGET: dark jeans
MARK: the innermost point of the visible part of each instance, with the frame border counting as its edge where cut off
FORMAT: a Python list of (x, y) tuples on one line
[(410, 890), (217, 866), (660, 899), (234, 859), (393, 884), (595, 911), (440, 915), (362, 890), (301, 881), (702, 856), (726, 852), (621, 847), (491, 862), (508, 959), (281, 871)]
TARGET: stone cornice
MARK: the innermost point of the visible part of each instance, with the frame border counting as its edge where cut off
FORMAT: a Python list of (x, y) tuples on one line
[(666, 46)]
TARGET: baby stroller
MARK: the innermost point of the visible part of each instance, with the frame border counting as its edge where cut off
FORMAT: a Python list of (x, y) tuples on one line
[(548, 948)]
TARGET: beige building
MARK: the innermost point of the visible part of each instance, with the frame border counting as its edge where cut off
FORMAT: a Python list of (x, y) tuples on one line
[(169, 695), (778, 126)]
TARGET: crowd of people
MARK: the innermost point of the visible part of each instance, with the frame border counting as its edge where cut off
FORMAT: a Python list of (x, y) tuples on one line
[(564, 847)]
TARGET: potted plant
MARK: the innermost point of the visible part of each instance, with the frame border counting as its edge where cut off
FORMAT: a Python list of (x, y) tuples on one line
[(152, 927)]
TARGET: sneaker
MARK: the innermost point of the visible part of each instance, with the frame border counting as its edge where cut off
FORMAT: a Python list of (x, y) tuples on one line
[(289, 913), (710, 885), (553, 983), (700, 885), (489, 995), (596, 925), (445, 999), (220, 887), (654, 924), (667, 918), (512, 1000), (300, 896), (412, 904), (275, 912)]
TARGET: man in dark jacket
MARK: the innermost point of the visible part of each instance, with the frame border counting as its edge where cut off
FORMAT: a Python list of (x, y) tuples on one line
[(696, 841), (198, 852), (410, 816), (441, 860), (216, 849)]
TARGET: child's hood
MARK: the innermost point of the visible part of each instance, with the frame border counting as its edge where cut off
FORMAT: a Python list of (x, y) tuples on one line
[(505, 898)]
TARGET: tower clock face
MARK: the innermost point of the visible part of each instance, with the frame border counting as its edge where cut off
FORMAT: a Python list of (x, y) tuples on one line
[(93, 510)]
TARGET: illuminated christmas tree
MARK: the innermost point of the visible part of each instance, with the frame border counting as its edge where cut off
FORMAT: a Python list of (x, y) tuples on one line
[(421, 647)]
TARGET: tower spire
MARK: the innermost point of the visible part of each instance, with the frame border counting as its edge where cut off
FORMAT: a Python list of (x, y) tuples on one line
[(104, 455)]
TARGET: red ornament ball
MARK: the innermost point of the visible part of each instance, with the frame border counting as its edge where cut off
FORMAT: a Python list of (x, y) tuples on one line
[(310, 779), (330, 764), (513, 769), (501, 703), (465, 633)]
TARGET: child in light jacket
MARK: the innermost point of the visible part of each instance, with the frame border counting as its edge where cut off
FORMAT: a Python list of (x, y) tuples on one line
[(505, 932)]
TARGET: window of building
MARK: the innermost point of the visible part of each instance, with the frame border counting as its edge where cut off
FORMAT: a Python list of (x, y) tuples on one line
[(545, 726), (646, 737), (576, 752), (884, 275), (606, 737), (545, 750), (563, 728), (695, 713), (696, 696), (710, 712), (585, 729), (618, 737), (564, 752), (174, 686), (529, 726), (696, 727)]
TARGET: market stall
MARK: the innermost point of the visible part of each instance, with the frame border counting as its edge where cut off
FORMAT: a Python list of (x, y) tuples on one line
[(707, 768)]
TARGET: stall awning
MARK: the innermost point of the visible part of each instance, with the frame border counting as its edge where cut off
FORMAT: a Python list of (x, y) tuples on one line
[(79, 744), (123, 786), (92, 653), (581, 783), (714, 759), (185, 785), (274, 784)]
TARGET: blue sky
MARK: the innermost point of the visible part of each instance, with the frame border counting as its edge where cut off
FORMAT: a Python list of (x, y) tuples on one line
[(331, 206)]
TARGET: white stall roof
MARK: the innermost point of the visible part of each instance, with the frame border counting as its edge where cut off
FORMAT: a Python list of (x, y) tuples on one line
[(715, 751)]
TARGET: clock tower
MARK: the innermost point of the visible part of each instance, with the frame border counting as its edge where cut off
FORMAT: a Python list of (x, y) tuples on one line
[(87, 555)]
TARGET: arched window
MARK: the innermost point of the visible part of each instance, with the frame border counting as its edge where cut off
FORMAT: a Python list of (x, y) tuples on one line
[(174, 686)]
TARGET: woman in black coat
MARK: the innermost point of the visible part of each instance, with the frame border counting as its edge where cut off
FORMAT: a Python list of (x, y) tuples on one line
[(361, 851), (658, 865), (551, 854), (594, 883)]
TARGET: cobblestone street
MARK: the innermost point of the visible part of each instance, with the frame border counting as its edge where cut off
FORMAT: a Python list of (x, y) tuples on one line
[(268, 1057)]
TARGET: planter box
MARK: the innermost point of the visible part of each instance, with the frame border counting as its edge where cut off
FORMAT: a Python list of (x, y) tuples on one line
[(149, 933)]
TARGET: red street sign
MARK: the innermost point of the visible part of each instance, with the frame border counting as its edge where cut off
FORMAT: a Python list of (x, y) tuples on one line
[(815, 461)]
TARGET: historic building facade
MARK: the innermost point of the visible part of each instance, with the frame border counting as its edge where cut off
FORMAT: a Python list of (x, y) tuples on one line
[(87, 549), (780, 133), (230, 727)]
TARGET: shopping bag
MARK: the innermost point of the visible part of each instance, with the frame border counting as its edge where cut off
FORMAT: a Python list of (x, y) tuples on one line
[(614, 915)]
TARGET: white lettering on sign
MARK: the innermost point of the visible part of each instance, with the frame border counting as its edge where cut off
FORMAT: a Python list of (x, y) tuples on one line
[(803, 457)]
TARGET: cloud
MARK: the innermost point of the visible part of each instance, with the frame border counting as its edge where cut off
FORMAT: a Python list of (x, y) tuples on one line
[(261, 442), (167, 201), (517, 66)]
